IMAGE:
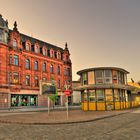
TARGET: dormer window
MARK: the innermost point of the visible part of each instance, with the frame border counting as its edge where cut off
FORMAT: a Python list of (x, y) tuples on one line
[(51, 53), (27, 47), (58, 55), (14, 43), (36, 49), (44, 52)]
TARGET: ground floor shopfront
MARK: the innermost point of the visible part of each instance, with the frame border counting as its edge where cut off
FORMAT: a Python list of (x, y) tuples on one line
[(107, 99), (23, 100), (15, 100)]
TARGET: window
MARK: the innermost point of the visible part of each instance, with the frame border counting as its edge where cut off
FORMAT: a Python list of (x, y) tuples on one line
[(35, 65), (51, 53), (27, 80), (36, 49), (99, 76), (15, 76), (10, 58), (121, 95), (58, 70), (44, 78), (44, 67), (36, 81), (100, 95), (16, 60), (109, 95), (92, 97), (44, 52), (121, 79), (27, 65), (15, 43), (51, 68), (58, 55), (84, 79), (116, 95), (27, 46), (67, 72), (115, 77), (107, 76), (58, 85)]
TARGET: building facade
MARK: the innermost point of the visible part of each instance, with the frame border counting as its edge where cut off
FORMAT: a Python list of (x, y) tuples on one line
[(105, 88), (76, 95), (24, 62)]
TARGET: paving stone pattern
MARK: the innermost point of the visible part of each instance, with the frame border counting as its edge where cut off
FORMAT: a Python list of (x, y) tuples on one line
[(121, 127)]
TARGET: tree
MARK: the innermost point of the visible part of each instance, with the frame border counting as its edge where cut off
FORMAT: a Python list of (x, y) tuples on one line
[(54, 98)]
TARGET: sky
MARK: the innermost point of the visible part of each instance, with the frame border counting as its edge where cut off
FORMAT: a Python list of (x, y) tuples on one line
[(98, 32)]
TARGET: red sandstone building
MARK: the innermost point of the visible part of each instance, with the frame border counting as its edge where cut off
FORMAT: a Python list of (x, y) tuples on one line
[(24, 62)]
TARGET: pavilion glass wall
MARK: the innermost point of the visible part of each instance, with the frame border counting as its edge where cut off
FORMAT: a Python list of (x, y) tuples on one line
[(107, 96)]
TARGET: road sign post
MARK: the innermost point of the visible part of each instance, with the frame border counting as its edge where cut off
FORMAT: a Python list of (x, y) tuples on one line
[(67, 93)]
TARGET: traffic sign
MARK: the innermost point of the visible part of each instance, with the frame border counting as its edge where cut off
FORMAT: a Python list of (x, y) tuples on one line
[(67, 92)]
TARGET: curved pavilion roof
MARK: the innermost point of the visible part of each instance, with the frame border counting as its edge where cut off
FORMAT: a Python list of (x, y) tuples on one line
[(102, 68)]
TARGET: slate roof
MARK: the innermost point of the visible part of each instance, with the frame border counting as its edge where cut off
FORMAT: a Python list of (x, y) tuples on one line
[(41, 43)]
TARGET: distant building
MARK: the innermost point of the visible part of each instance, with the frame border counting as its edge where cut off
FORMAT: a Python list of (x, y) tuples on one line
[(135, 91), (76, 94), (105, 88), (24, 62)]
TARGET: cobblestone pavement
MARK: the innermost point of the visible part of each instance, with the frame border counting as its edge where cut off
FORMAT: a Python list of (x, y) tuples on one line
[(55, 116), (121, 127)]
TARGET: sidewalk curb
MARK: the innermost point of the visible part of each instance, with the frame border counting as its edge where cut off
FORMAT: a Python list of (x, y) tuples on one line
[(71, 122)]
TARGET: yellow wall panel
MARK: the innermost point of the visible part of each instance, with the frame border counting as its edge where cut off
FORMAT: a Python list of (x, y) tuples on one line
[(85, 106), (101, 106), (109, 105), (117, 105), (92, 106), (122, 106)]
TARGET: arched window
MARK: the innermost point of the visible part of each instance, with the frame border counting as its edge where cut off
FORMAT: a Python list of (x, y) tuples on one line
[(27, 46), (36, 81), (27, 65), (16, 78), (44, 67), (27, 82), (51, 68), (15, 43), (35, 65), (58, 69), (44, 79)]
